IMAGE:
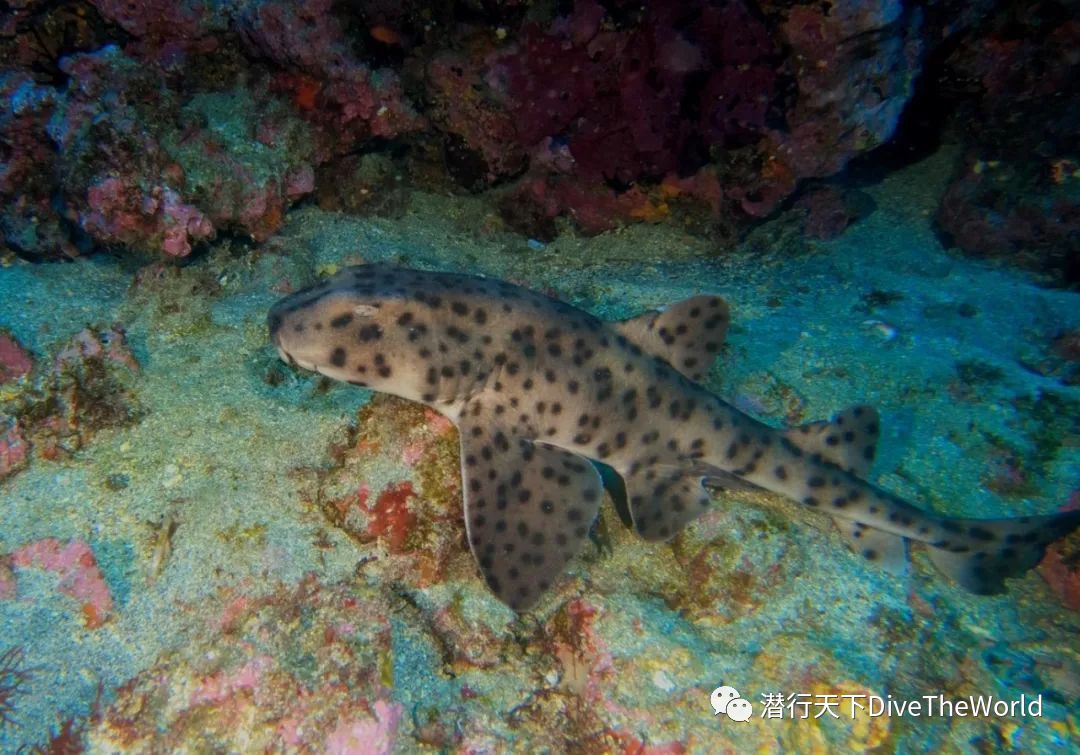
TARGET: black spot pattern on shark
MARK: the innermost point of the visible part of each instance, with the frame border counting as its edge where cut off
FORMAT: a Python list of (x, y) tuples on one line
[(538, 388)]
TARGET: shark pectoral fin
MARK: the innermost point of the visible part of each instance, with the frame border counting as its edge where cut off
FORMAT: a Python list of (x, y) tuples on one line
[(663, 499), (528, 508), (882, 548), (848, 440), (687, 334), (982, 553)]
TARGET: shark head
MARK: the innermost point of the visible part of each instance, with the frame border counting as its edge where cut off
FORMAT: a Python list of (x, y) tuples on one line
[(354, 327)]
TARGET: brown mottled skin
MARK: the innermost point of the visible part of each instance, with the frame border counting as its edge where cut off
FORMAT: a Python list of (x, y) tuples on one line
[(538, 387)]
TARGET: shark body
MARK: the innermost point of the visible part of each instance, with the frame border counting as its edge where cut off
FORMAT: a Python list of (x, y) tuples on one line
[(537, 388)]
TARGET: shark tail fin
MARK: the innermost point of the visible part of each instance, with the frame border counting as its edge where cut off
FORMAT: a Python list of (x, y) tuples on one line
[(987, 551)]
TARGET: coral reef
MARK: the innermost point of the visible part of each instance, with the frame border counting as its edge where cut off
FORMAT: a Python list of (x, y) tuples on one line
[(603, 107), (308, 666), (1015, 193), (28, 221), (214, 118), (86, 388), (130, 176), (141, 160), (345, 100), (587, 113), (417, 541)]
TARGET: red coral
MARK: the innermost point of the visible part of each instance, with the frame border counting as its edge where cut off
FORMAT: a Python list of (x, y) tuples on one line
[(638, 104), (1061, 565), (390, 517), (1062, 577)]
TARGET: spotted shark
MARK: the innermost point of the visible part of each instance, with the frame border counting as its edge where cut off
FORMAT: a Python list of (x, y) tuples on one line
[(539, 389)]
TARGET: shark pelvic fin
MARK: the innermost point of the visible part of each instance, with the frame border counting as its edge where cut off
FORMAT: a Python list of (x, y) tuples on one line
[(663, 499)]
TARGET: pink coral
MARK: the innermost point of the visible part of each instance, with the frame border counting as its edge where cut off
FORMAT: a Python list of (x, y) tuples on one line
[(227, 682), (183, 223), (360, 104), (77, 568), (106, 344), (628, 744), (366, 736), (300, 182), (119, 212), (15, 362), (159, 173), (241, 689)]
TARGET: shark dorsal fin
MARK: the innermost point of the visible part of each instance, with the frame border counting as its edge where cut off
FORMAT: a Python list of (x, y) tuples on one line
[(687, 334), (848, 440)]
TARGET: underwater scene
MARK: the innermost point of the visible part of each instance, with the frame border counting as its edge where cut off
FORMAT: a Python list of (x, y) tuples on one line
[(504, 376)]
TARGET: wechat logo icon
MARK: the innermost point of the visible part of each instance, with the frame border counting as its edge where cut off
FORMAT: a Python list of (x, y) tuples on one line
[(726, 700)]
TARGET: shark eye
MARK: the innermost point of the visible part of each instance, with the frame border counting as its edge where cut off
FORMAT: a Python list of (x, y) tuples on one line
[(365, 310)]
